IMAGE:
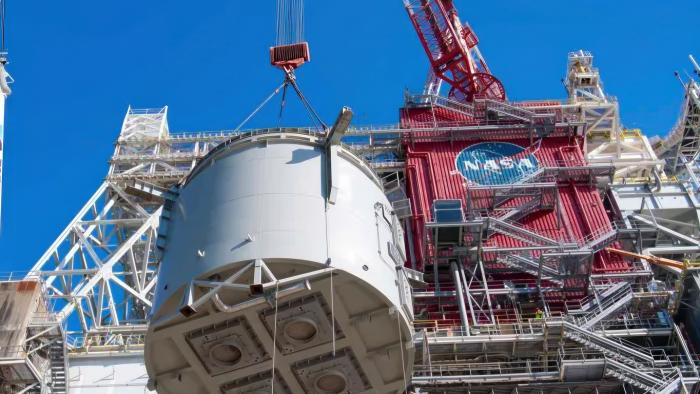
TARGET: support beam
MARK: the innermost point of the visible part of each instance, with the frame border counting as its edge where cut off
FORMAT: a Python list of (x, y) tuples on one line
[(460, 296)]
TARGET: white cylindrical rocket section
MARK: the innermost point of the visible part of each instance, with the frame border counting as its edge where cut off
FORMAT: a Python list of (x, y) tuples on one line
[(299, 207)]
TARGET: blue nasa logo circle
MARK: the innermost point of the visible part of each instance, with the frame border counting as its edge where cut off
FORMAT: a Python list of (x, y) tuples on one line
[(496, 163)]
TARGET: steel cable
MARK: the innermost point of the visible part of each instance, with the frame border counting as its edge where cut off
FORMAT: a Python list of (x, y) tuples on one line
[(289, 22)]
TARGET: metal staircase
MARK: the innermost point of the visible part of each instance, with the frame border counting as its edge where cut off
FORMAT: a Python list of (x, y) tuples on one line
[(516, 230), (522, 210), (598, 240), (531, 267), (442, 102), (58, 365), (535, 175), (619, 350), (672, 383), (506, 111), (653, 373), (586, 304), (658, 381), (603, 305)]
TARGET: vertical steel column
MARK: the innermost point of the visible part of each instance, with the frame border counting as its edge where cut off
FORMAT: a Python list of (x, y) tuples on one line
[(487, 294), (460, 296)]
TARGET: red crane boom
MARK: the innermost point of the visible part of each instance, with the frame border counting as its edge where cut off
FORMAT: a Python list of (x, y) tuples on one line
[(452, 50)]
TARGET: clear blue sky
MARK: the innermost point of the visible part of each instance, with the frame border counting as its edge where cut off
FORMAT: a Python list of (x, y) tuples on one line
[(79, 64)]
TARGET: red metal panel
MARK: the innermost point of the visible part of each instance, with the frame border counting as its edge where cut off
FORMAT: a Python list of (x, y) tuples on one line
[(429, 117), (432, 174)]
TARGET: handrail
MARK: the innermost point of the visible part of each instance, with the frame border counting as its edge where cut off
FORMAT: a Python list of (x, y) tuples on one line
[(97, 341), (624, 348), (600, 304)]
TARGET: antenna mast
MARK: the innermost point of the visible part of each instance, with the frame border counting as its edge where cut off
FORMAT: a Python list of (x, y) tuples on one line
[(5, 91)]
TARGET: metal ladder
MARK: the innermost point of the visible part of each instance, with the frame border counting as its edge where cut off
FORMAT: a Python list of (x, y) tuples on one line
[(57, 363)]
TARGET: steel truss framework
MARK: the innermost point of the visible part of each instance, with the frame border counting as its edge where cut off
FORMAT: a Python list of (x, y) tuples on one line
[(499, 349), (32, 360), (606, 140), (681, 146), (100, 273)]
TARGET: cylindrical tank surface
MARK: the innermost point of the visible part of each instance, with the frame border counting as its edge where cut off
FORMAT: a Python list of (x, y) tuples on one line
[(281, 264)]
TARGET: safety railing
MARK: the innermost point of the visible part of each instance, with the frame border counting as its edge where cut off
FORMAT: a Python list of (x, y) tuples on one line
[(586, 303), (508, 110), (652, 379), (599, 238), (670, 379), (687, 365), (13, 352), (509, 226), (13, 276), (527, 327), (478, 369), (578, 354), (147, 111), (630, 323), (43, 318), (606, 305), (530, 266), (441, 101), (623, 350), (203, 136), (229, 134), (510, 284), (176, 155), (79, 342)]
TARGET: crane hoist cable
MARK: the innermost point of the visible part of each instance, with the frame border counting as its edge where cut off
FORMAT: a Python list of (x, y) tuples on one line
[(290, 22), (3, 48), (289, 53)]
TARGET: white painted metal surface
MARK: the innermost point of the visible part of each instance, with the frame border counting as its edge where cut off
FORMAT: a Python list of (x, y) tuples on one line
[(107, 373), (606, 140), (263, 215)]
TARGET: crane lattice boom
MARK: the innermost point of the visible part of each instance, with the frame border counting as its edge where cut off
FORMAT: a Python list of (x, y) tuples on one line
[(452, 50)]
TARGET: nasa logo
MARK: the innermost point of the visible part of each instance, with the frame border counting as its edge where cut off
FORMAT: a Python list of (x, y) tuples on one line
[(496, 163)]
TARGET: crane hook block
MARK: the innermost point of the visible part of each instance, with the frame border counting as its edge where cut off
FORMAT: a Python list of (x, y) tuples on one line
[(290, 56)]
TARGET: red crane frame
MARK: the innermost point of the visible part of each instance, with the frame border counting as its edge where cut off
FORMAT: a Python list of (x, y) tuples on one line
[(452, 50)]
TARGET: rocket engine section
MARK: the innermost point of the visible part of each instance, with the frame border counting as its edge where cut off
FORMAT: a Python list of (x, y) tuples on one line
[(282, 264)]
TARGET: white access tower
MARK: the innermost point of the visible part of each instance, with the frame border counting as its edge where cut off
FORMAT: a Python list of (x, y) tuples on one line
[(99, 274), (606, 139)]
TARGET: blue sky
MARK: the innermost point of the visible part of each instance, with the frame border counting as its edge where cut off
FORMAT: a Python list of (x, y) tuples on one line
[(79, 64)]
